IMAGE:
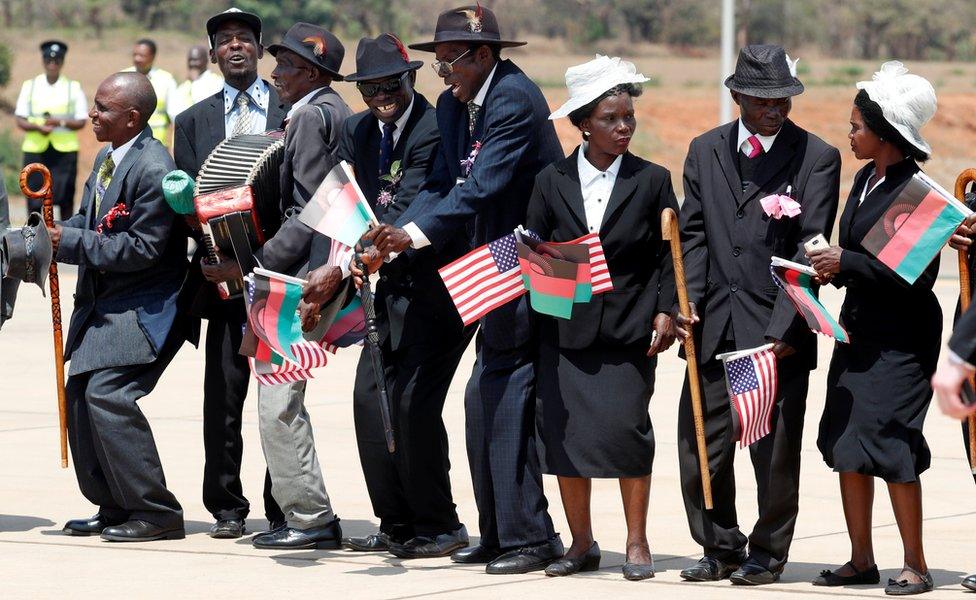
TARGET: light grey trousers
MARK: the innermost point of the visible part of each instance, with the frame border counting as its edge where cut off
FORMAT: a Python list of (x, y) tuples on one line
[(289, 449)]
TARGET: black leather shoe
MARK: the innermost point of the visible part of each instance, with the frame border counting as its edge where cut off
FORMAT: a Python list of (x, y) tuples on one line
[(328, 537), (903, 587), (709, 569), (227, 529), (423, 546), (868, 576), (753, 573), (374, 542), (969, 583), (92, 526), (527, 558), (476, 555), (138, 530), (589, 561), (637, 572)]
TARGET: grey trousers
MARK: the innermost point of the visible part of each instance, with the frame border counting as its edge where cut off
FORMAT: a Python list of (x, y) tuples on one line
[(289, 450)]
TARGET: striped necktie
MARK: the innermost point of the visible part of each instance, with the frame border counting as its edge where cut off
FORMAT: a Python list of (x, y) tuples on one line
[(103, 180)]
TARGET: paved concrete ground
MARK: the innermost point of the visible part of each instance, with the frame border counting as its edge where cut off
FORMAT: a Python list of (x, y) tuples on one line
[(36, 497)]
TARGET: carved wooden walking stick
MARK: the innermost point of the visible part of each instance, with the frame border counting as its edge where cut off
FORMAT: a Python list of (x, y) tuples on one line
[(965, 296), (46, 195), (669, 230)]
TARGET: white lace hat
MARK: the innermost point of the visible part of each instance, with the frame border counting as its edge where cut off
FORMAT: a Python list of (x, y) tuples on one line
[(907, 101), (588, 81)]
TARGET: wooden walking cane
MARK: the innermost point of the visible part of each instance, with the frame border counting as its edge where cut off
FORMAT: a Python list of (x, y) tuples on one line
[(46, 195), (669, 231), (965, 296)]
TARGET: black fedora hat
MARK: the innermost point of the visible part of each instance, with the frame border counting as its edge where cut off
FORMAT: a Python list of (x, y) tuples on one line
[(233, 14), (314, 44), (763, 71), (468, 24), (28, 252), (383, 57)]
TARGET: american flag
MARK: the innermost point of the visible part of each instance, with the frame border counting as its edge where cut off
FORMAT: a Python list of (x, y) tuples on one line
[(752, 382), (484, 279), (599, 272)]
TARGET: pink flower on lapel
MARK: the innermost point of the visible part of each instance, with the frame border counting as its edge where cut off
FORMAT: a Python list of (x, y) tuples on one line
[(779, 205), (468, 163), (108, 221)]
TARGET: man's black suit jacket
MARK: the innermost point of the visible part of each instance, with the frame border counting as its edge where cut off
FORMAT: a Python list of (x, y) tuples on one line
[(728, 239)]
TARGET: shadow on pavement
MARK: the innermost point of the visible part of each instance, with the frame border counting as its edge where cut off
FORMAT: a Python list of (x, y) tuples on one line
[(10, 523)]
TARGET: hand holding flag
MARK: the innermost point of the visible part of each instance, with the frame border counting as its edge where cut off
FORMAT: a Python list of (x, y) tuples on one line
[(338, 208)]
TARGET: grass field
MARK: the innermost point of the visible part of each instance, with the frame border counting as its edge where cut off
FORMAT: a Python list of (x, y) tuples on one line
[(681, 101)]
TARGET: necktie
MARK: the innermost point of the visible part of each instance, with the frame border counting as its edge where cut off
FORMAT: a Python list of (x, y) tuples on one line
[(243, 125), (386, 148), (755, 148), (103, 180), (473, 110)]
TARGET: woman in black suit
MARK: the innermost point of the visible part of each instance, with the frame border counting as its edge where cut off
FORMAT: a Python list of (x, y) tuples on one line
[(878, 388), (596, 370)]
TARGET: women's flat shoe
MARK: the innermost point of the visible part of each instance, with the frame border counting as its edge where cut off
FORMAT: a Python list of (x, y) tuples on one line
[(590, 561), (868, 576), (637, 572), (903, 587)]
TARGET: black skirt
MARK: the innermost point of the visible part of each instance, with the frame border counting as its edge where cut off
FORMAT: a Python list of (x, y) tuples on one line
[(593, 416), (877, 398)]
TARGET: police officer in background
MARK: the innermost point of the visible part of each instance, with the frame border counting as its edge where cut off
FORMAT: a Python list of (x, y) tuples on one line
[(50, 110), (168, 103)]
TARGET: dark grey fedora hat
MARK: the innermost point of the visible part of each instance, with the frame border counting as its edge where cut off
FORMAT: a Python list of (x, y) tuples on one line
[(764, 72), (467, 24), (28, 252), (316, 45), (383, 57)]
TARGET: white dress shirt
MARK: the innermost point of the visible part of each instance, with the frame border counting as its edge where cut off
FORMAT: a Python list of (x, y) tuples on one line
[(118, 154), (766, 141), (400, 123), (260, 97), (865, 191), (596, 186)]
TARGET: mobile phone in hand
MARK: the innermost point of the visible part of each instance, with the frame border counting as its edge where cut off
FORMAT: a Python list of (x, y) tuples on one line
[(817, 242)]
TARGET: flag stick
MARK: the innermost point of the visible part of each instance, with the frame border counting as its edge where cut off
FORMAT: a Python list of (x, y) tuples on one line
[(669, 230), (46, 195), (965, 296)]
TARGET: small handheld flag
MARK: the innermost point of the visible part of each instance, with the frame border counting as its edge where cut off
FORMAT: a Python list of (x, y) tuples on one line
[(752, 382), (484, 279), (796, 281), (338, 208)]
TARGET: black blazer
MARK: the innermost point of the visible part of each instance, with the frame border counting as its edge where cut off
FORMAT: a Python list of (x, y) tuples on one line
[(880, 307), (728, 240), (412, 303), (638, 258)]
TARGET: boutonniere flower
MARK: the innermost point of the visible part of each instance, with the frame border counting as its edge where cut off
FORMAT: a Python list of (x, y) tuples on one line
[(108, 221), (468, 163), (387, 195), (779, 205)]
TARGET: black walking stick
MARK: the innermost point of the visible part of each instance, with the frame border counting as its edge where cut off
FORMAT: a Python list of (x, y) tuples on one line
[(376, 357)]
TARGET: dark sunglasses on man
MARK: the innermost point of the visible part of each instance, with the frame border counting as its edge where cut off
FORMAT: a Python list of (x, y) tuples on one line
[(369, 89)]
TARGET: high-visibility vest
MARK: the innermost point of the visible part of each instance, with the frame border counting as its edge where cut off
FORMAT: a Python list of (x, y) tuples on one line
[(57, 106)]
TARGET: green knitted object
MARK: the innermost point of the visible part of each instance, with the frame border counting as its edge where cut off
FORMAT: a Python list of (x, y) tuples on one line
[(178, 191)]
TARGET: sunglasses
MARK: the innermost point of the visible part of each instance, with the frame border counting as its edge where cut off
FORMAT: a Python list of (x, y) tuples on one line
[(368, 90), (444, 68)]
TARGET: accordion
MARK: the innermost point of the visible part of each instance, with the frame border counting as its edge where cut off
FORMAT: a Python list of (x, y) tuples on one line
[(237, 200)]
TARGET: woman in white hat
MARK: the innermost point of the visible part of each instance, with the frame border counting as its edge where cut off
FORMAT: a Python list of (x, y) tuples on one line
[(596, 370), (878, 388)]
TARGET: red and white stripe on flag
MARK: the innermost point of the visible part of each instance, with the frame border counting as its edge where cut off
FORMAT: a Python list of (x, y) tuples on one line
[(484, 279), (271, 374), (599, 272), (339, 254), (752, 381)]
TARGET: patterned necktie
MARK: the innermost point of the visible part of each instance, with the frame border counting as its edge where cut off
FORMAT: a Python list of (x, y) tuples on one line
[(473, 110), (243, 125), (386, 148), (756, 148), (103, 180)]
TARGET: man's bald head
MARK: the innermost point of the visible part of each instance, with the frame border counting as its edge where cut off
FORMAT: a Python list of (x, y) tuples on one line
[(196, 60), (123, 104)]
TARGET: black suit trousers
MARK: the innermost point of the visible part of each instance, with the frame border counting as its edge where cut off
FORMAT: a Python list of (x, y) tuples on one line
[(775, 461), (225, 381), (410, 490), (112, 446)]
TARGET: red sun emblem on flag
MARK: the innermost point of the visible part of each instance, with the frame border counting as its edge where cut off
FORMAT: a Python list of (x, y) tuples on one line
[(896, 217)]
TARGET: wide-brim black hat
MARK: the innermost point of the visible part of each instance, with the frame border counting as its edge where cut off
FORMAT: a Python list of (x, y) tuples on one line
[(233, 14), (383, 57), (28, 252), (467, 24), (314, 44), (763, 71)]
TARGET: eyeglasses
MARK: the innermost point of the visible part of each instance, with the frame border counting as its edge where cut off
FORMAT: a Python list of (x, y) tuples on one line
[(444, 68), (368, 90)]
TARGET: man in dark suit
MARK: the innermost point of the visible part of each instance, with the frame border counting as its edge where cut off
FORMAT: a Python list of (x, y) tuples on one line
[(392, 147), (245, 105), (125, 327), (495, 138), (728, 241)]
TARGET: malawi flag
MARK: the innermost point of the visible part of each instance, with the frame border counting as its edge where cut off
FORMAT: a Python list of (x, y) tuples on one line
[(338, 208), (573, 252), (797, 281), (551, 281), (349, 326), (599, 274), (915, 227)]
